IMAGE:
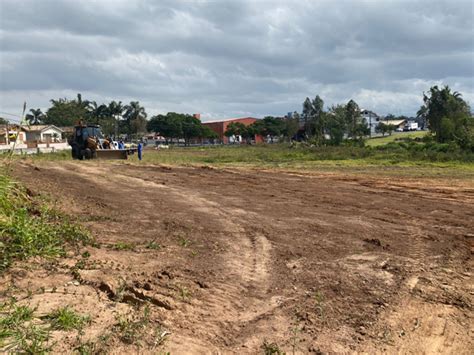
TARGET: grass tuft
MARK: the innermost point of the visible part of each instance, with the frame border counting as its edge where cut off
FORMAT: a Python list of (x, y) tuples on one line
[(131, 329), (66, 318), (122, 246), (271, 348), (18, 333)]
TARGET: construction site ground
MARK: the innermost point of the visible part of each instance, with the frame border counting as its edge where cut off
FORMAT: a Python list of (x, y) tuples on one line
[(239, 260)]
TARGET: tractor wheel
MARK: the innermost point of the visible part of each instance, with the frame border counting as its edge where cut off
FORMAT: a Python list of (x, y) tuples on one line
[(88, 153), (75, 152)]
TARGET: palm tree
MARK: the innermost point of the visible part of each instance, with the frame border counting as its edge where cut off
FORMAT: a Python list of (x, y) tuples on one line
[(115, 109), (97, 112), (36, 117), (135, 116)]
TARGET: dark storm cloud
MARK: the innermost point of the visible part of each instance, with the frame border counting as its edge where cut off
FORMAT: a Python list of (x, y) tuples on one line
[(234, 57)]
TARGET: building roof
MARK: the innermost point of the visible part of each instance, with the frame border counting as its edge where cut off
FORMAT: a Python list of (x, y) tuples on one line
[(393, 122), (368, 112), (230, 119), (67, 129), (11, 127), (39, 128)]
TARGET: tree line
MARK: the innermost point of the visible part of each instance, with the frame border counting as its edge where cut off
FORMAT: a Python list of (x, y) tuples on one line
[(313, 124), (445, 113), (115, 117)]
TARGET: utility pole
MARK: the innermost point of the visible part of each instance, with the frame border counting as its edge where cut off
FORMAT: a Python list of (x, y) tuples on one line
[(7, 133)]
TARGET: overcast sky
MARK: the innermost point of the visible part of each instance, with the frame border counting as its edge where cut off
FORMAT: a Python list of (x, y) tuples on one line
[(234, 58)]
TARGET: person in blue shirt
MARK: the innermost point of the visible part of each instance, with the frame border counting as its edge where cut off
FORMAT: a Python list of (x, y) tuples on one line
[(139, 151)]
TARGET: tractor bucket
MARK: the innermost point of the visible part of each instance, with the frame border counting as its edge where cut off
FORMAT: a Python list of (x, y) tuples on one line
[(111, 154)]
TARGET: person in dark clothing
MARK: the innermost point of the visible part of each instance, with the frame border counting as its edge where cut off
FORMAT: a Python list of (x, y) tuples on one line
[(139, 151)]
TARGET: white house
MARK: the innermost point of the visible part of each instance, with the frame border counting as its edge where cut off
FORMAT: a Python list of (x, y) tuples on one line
[(32, 139), (371, 118), (43, 133)]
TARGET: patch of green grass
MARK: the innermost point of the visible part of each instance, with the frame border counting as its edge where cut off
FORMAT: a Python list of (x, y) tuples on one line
[(381, 156), (56, 156), (153, 245), (184, 293), (29, 339), (123, 246), (97, 346), (130, 329), (18, 333), (376, 141), (13, 316), (404, 159), (29, 228), (184, 242), (66, 318), (319, 300), (271, 348)]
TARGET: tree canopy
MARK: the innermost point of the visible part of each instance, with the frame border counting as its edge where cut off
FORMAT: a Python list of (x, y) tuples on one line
[(64, 112), (179, 126), (448, 116), (35, 116)]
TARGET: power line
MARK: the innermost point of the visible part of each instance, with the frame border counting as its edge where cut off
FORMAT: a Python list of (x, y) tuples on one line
[(10, 114)]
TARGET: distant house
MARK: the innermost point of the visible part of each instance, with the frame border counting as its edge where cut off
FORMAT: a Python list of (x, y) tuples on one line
[(32, 139), (43, 133), (398, 124), (8, 134), (67, 131), (220, 127), (371, 118)]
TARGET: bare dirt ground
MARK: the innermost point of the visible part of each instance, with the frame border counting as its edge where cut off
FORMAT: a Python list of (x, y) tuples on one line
[(231, 259)]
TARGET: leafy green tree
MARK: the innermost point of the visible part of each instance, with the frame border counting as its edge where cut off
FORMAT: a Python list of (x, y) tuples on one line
[(64, 112), (384, 128), (35, 117), (236, 129), (336, 124), (291, 126), (135, 117), (390, 129), (307, 114), (356, 127), (191, 128), (317, 119), (115, 110), (448, 116), (272, 127), (381, 128), (97, 112), (3, 120), (176, 125), (208, 133)]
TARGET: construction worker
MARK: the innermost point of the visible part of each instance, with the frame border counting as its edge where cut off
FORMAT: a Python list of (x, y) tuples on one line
[(139, 151)]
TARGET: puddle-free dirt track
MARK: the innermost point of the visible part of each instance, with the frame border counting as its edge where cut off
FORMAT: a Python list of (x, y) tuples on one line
[(310, 262)]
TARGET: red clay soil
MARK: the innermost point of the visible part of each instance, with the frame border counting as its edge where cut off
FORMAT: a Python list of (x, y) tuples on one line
[(240, 261)]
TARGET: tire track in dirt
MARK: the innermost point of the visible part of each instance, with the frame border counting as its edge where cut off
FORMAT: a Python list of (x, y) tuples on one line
[(240, 296)]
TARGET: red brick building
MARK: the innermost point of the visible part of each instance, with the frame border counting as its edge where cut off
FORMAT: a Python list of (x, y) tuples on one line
[(221, 126)]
